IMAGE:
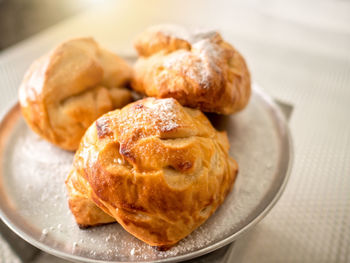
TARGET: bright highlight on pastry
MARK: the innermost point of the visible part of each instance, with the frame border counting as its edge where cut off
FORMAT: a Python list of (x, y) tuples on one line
[(66, 90), (159, 169), (200, 70)]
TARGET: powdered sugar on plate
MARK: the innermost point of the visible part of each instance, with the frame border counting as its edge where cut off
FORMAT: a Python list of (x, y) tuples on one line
[(34, 172)]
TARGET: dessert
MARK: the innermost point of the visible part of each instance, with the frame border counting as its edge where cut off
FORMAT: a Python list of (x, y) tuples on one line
[(200, 70), (64, 91), (157, 168)]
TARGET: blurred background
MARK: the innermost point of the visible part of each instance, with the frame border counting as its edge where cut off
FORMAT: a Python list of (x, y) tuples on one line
[(20, 19), (298, 52)]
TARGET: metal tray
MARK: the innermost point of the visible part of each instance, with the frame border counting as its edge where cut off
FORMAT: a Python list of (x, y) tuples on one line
[(33, 200)]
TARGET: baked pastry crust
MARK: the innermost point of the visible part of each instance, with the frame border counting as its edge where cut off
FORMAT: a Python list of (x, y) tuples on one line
[(200, 70), (64, 91), (158, 168)]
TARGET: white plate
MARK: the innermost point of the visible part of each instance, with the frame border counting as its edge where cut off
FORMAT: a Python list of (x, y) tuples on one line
[(33, 200)]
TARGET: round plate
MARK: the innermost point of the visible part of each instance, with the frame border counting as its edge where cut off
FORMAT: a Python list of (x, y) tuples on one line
[(33, 200)]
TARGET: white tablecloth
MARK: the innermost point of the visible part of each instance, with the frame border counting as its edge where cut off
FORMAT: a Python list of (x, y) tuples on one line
[(299, 53)]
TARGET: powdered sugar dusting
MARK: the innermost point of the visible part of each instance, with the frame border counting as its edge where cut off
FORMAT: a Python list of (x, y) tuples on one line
[(183, 33), (159, 114), (204, 56), (197, 70), (164, 113), (203, 34), (208, 52)]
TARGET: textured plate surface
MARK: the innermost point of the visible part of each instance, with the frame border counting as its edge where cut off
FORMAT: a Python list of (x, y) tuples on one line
[(33, 197)]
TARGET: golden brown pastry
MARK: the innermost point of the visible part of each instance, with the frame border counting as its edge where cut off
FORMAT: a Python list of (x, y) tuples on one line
[(199, 70), (157, 168), (64, 91)]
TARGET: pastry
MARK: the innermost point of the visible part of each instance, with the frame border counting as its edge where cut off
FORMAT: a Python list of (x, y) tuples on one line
[(159, 169), (199, 70), (64, 91)]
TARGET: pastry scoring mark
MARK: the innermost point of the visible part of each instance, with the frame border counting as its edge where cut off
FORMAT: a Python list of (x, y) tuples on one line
[(132, 207), (184, 166), (102, 126), (125, 151)]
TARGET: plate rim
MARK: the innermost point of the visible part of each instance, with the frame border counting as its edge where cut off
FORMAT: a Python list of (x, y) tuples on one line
[(202, 251)]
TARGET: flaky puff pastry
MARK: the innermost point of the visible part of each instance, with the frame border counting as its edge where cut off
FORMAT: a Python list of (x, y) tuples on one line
[(199, 70), (64, 91), (157, 168)]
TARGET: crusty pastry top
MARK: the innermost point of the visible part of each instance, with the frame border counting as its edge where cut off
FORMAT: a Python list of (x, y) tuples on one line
[(199, 70), (64, 91), (158, 168)]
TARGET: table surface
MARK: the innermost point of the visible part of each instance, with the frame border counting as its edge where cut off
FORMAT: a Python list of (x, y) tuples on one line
[(299, 53)]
